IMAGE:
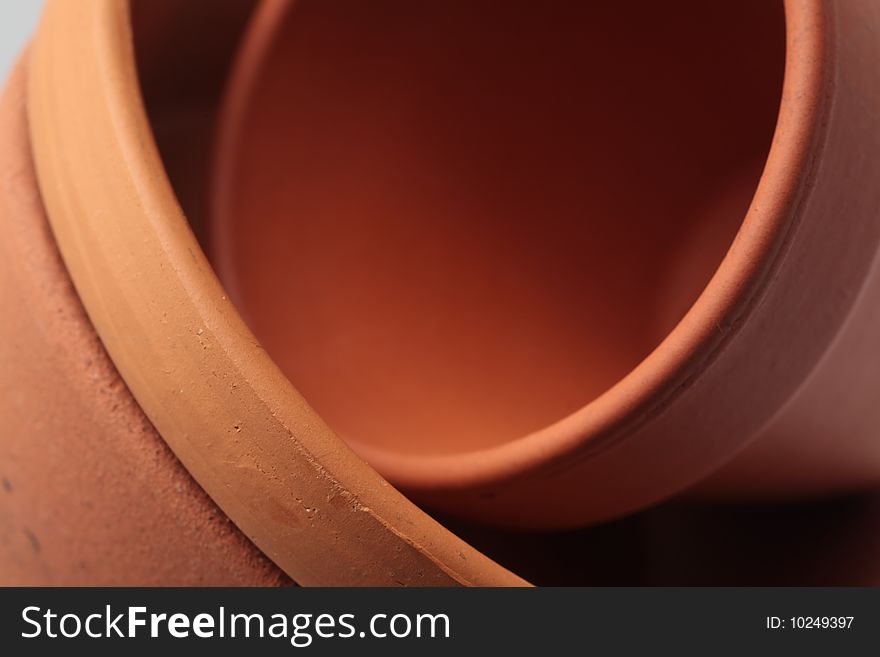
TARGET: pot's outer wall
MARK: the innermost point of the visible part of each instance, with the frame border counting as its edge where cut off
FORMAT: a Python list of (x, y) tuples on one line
[(90, 494), (826, 438)]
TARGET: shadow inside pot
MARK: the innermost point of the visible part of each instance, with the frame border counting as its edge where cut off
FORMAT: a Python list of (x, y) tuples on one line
[(182, 79)]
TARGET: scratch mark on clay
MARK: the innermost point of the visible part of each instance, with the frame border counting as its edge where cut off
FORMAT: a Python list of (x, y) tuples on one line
[(32, 538)]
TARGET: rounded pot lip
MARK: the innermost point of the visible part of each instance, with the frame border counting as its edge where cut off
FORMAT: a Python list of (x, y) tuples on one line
[(711, 323), (240, 428)]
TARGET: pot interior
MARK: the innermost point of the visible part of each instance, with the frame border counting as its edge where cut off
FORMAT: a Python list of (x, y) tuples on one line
[(454, 223)]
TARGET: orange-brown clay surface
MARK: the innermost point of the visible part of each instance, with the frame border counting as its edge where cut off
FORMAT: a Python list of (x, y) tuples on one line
[(90, 494)]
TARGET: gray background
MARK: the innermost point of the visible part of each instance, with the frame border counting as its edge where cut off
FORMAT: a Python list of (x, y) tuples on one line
[(17, 20)]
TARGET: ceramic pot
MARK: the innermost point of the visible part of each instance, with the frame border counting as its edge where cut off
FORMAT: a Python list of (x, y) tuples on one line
[(192, 371), (545, 267)]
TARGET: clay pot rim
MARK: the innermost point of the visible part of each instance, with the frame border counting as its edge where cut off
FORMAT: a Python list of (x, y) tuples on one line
[(286, 480), (712, 321)]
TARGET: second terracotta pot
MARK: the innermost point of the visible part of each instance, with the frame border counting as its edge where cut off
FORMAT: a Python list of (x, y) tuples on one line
[(544, 267)]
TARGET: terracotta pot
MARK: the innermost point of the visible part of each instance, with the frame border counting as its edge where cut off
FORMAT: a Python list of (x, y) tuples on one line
[(109, 497), (544, 267)]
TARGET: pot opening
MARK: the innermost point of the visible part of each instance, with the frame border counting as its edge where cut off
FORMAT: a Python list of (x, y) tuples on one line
[(454, 223)]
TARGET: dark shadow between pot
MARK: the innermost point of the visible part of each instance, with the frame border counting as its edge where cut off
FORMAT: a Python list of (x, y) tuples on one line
[(821, 543)]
